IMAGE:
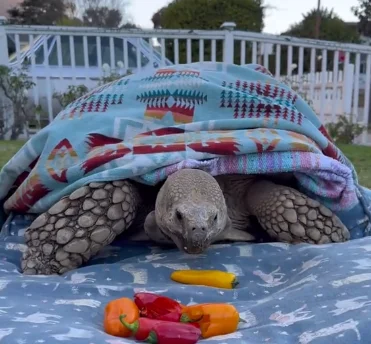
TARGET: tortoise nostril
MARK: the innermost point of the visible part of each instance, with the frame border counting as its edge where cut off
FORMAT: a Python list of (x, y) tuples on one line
[(216, 217), (203, 228), (179, 216), (194, 228)]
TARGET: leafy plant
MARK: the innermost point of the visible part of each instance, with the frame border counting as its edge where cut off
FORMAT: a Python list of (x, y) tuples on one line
[(15, 108), (112, 75), (39, 120), (344, 131), (363, 13), (73, 93)]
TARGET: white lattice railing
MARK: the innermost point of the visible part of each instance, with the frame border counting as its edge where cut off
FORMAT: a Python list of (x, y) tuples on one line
[(325, 73)]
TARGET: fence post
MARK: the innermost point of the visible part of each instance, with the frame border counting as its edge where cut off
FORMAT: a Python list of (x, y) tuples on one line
[(228, 49), (348, 88), (4, 57)]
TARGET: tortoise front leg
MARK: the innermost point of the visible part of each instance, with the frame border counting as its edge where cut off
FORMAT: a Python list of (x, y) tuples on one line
[(290, 216), (78, 226), (235, 235)]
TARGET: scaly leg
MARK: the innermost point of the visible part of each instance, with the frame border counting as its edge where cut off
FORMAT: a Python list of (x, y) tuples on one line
[(290, 216), (235, 235), (78, 226)]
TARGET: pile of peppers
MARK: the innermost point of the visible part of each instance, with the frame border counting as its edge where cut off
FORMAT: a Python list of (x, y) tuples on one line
[(158, 319)]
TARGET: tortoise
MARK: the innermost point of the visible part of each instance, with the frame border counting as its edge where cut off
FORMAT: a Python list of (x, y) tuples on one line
[(190, 210)]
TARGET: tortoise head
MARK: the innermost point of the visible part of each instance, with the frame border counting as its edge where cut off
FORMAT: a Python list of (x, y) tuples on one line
[(191, 210)]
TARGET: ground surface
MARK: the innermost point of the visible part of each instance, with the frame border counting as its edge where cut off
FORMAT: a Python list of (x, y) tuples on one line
[(359, 155)]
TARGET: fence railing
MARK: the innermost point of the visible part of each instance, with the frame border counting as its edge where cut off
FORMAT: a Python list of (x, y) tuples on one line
[(326, 92), (325, 73)]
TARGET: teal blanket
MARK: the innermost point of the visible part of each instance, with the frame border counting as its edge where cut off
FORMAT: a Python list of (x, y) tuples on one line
[(217, 117)]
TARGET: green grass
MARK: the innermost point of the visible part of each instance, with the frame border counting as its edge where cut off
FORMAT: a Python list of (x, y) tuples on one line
[(360, 156), (8, 149)]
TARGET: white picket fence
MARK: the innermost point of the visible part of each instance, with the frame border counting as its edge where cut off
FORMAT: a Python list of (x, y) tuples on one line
[(329, 94), (76, 55)]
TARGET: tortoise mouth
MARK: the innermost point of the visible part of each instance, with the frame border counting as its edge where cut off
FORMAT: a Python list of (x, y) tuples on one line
[(184, 245), (194, 249)]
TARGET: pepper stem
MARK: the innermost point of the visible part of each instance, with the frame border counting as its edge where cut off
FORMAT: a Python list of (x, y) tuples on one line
[(186, 319), (235, 283), (242, 320), (132, 327), (152, 338)]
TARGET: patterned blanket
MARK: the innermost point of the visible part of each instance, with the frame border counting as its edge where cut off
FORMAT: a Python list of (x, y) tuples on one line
[(218, 117)]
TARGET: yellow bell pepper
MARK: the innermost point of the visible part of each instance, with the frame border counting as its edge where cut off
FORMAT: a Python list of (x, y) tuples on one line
[(210, 278)]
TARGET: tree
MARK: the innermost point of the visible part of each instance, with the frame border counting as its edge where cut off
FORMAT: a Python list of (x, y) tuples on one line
[(208, 15), (102, 13), (70, 21), (37, 12), (156, 18), (102, 17), (14, 87), (98, 13), (129, 25), (363, 13), (332, 28)]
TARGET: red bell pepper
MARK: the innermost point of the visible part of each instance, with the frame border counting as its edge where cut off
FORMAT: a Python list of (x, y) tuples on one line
[(180, 317), (140, 328), (166, 332), (162, 332), (154, 306), (173, 316)]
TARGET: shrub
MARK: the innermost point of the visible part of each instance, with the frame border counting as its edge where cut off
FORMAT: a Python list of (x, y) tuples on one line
[(344, 130), (15, 109)]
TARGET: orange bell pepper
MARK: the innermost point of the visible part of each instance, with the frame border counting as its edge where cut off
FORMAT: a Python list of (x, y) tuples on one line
[(114, 311), (214, 319)]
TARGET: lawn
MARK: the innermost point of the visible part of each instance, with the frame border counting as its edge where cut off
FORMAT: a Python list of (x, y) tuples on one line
[(8, 149), (359, 155)]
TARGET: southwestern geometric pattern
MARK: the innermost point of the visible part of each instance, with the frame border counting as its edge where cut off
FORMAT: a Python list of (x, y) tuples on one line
[(180, 103), (96, 101), (252, 100)]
